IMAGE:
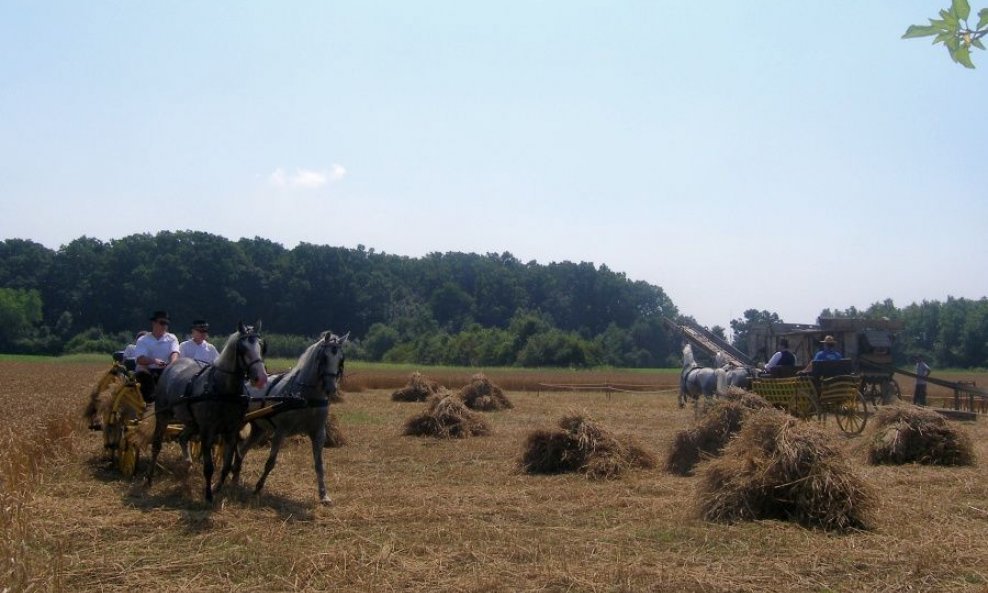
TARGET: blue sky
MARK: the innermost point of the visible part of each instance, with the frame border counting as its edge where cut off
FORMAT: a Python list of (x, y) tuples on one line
[(769, 155)]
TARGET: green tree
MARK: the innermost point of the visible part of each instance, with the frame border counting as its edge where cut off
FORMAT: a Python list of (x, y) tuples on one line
[(752, 317), (20, 314), (954, 32)]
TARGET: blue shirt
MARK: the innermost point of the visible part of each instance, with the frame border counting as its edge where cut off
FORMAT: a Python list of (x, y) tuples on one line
[(828, 354)]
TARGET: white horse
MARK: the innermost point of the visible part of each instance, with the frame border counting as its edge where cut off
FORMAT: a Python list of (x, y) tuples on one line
[(734, 375), (695, 380), (304, 393)]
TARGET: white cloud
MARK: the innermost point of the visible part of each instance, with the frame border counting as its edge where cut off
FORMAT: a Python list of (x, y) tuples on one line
[(337, 172), (306, 178)]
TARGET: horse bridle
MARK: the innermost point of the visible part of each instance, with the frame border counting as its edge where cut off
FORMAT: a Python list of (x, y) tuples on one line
[(241, 348)]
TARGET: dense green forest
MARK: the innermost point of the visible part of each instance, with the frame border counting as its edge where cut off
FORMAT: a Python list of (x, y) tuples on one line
[(444, 308)]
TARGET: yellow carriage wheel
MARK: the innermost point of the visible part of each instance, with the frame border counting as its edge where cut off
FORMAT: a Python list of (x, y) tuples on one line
[(852, 414)]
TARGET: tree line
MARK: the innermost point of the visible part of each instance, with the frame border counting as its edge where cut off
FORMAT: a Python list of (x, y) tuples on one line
[(443, 308)]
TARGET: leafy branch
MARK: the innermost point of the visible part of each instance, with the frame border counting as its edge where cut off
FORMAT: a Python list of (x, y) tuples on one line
[(953, 31)]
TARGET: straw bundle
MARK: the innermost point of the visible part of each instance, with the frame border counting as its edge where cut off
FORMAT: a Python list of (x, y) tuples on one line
[(712, 432), (482, 394), (912, 434), (780, 468), (334, 436), (581, 445), (447, 418), (418, 389)]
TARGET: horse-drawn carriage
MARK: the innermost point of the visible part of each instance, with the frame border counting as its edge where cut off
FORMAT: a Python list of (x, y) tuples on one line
[(865, 343), (841, 388), (831, 389), (205, 406)]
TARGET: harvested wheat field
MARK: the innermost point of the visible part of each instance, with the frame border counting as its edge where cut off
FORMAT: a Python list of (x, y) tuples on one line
[(422, 514)]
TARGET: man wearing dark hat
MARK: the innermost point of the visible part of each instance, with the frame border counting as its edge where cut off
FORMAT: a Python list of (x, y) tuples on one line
[(155, 350), (198, 348)]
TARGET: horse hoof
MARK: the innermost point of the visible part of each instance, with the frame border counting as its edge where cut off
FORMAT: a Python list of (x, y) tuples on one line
[(326, 501)]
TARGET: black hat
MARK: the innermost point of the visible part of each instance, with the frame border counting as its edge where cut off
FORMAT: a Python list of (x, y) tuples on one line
[(162, 315), (201, 325)]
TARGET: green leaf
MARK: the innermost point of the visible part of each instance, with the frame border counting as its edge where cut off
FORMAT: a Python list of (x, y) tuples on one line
[(939, 24), (982, 17), (919, 31), (949, 18), (962, 55), (977, 43), (953, 43), (960, 9), (942, 37)]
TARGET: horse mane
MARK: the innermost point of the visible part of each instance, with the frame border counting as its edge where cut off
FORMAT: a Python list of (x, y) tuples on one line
[(304, 361), (229, 347)]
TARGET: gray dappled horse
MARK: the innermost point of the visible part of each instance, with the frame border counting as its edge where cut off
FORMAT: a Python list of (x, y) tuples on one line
[(734, 376), (303, 395), (209, 401), (695, 380)]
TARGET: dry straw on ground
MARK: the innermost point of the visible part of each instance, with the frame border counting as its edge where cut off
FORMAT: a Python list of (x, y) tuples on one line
[(446, 418), (782, 468), (911, 434), (582, 445), (482, 394), (711, 433), (334, 435), (418, 389)]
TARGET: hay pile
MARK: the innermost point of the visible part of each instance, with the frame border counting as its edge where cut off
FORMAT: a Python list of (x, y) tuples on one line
[(482, 394), (711, 433), (447, 417), (418, 389), (334, 436), (780, 468), (583, 446), (912, 434)]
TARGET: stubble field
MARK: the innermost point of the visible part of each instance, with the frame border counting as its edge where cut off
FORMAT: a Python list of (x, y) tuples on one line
[(419, 514)]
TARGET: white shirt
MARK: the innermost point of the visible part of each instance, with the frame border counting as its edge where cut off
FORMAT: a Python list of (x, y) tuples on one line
[(204, 352), (922, 372), (157, 348)]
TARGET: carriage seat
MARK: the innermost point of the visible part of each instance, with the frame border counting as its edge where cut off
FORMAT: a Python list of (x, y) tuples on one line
[(832, 368), (784, 371)]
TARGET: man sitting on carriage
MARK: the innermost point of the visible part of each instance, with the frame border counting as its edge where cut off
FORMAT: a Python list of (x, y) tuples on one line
[(154, 351), (827, 352), (783, 359)]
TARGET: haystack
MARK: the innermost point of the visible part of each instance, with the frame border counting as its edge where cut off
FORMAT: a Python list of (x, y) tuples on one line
[(482, 394), (778, 467), (447, 417), (582, 445), (912, 434), (418, 389), (712, 431)]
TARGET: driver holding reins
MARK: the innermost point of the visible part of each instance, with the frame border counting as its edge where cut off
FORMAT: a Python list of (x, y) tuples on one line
[(155, 351)]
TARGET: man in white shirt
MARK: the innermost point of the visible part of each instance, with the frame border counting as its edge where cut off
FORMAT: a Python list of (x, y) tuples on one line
[(198, 348), (154, 351)]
